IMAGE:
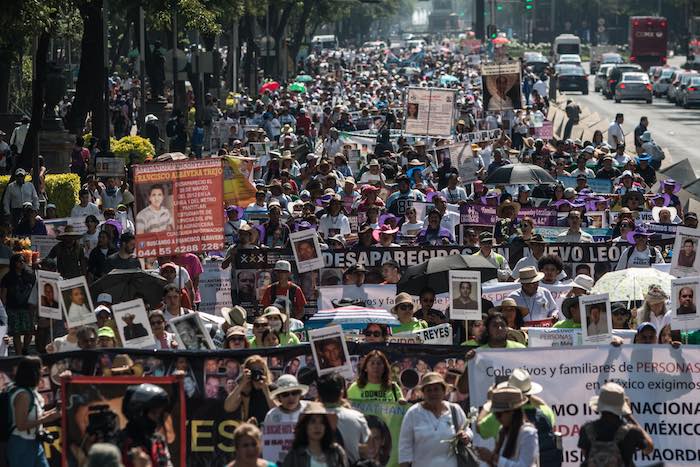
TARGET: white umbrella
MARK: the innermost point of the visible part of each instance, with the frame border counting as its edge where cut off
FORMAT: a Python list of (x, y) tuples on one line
[(632, 283), (352, 317)]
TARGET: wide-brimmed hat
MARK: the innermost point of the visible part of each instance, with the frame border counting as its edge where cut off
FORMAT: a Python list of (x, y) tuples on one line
[(274, 311), (69, 234), (665, 196), (655, 294), (583, 281), (235, 331), (400, 299), (638, 230), (520, 378), (384, 229), (656, 212), (121, 363), (432, 377), (671, 182), (505, 399), (510, 302), (611, 399), (536, 238), (529, 274), (288, 383), (235, 316), (646, 136), (508, 204), (566, 306), (317, 408)]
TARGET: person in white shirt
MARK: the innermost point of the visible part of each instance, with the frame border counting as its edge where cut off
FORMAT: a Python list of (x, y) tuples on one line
[(541, 88), (654, 309), (17, 193), (78, 312), (288, 394), (374, 175), (411, 225), (574, 234), (332, 145), (453, 193), (19, 134), (639, 254), (615, 133), (334, 222), (581, 168), (85, 207), (536, 299)]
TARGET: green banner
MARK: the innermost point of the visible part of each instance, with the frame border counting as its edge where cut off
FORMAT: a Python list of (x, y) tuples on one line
[(384, 419)]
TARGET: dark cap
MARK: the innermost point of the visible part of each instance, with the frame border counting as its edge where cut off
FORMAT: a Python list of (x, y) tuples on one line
[(357, 267)]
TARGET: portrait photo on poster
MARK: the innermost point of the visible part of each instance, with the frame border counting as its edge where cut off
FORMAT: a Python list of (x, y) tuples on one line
[(684, 262), (76, 302), (596, 318), (132, 323), (412, 110), (330, 351), (307, 250), (47, 285), (155, 208), (465, 295), (684, 312), (501, 91), (190, 332)]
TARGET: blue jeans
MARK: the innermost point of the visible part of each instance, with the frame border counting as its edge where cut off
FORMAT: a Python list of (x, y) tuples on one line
[(25, 453)]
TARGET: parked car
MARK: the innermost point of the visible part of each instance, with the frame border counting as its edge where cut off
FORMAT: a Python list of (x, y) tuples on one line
[(572, 78), (691, 94), (683, 85), (662, 81), (569, 59), (634, 86), (601, 77), (614, 76)]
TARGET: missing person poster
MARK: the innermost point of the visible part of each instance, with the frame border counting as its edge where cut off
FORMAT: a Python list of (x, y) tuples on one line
[(307, 250), (132, 323), (684, 262), (465, 295), (76, 302), (684, 312), (190, 332), (501, 86), (430, 111), (47, 285), (596, 318), (179, 207), (330, 351)]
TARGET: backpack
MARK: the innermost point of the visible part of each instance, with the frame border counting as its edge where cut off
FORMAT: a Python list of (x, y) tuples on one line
[(605, 453), (551, 454), (170, 128), (7, 419), (652, 255)]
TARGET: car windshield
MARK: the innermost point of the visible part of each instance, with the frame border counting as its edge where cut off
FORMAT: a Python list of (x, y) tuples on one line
[(613, 58), (634, 78), (570, 70), (666, 73), (695, 81)]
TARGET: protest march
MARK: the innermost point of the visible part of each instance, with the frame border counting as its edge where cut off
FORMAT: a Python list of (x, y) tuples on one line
[(411, 254)]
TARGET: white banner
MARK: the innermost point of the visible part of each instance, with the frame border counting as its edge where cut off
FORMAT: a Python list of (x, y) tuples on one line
[(430, 111), (662, 384), (567, 337), (214, 288), (495, 293), (373, 296), (436, 335)]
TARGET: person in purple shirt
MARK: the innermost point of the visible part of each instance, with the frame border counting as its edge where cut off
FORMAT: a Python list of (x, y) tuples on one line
[(433, 234)]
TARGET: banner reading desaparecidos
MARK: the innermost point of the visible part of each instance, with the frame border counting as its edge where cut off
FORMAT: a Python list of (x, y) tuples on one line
[(430, 111), (662, 384), (179, 207)]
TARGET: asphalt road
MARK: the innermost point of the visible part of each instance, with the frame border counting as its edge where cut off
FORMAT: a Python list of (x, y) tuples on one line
[(675, 129)]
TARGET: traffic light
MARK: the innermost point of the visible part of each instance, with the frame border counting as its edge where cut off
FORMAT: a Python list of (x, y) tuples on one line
[(529, 5), (491, 31), (499, 6)]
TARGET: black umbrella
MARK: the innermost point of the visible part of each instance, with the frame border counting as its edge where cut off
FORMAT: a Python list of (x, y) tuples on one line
[(128, 284), (434, 273), (519, 174)]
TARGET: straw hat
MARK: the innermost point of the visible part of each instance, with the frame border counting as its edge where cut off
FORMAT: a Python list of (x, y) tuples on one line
[(274, 311), (234, 316), (401, 298), (510, 302), (611, 399), (288, 383), (432, 377), (505, 399), (529, 274), (582, 281), (655, 294), (317, 408), (520, 378), (656, 212)]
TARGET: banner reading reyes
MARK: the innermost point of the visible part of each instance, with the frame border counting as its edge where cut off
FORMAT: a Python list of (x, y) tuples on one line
[(662, 384), (179, 207)]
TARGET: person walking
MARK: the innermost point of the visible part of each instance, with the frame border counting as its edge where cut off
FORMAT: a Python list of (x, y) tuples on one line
[(15, 289), (615, 134)]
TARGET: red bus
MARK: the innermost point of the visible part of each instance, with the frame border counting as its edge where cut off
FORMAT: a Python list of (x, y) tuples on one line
[(648, 40)]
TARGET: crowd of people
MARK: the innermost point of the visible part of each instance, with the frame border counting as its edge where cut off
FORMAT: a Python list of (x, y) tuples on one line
[(401, 191)]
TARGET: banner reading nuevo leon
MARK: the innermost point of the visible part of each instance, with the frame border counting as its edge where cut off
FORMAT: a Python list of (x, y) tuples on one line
[(179, 207), (662, 383)]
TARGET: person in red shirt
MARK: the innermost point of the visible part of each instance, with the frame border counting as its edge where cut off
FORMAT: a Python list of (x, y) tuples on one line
[(304, 122), (285, 290)]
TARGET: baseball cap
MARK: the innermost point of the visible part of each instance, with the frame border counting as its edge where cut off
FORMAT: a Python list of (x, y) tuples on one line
[(283, 265), (104, 298)]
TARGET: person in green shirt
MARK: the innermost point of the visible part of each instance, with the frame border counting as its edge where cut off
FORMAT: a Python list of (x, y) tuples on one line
[(259, 326), (488, 425), (374, 380), (495, 335), (279, 323), (570, 310), (403, 309)]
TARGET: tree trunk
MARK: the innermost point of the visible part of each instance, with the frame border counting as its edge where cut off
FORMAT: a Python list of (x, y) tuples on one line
[(7, 59), (26, 159), (300, 31), (89, 87)]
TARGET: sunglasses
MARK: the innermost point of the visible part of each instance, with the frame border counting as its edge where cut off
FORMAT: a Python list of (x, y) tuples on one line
[(405, 306), (372, 333), (157, 322), (237, 339), (260, 325)]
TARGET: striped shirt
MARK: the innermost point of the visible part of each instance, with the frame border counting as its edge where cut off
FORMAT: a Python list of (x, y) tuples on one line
[(148, 220)]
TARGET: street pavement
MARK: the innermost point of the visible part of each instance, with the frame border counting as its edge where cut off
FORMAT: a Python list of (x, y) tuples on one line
[(675, 129)]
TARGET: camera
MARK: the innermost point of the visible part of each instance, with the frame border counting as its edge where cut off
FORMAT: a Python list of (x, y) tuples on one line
[(256, 374), (103, 423), (46, 437)]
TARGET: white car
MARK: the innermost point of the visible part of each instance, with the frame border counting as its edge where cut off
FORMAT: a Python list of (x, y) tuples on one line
[(601, 77), (569, 59)]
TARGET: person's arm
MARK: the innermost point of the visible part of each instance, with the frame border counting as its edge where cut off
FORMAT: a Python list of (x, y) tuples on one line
[(35, 198), (230, 253), (6, 198), (235, 399), (622, 262), (648, 442), (21, 412)]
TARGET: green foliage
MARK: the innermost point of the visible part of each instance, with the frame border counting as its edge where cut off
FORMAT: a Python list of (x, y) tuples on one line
[(140, 147), (61, 189)]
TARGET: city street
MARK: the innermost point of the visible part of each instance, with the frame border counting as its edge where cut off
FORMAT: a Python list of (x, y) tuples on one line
[(676, 129)]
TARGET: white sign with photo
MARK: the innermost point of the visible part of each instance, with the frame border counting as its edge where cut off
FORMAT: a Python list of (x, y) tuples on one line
[(190, 332), (563, 337), (330, 351), (684, 312), (76, 302), (465, 295), (430, 111), (307, 250), (685, 261), (214, 288), (43, 244), (596, 318), (47, 286), (132, 323), (597, 219)]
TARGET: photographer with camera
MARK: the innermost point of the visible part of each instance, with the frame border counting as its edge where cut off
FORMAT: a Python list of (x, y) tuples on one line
[(145, 407), (26, 435), (252, 397)]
